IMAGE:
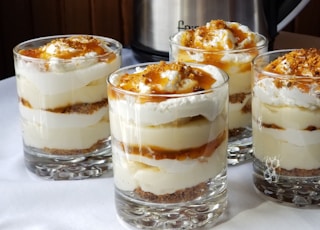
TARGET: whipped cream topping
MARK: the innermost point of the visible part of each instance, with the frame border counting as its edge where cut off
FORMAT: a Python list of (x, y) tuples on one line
[(219, 35), (269, 93), (153, 113), (217, 41), (67, 64)]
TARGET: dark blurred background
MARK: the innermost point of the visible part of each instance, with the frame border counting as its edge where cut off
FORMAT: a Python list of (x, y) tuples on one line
[(21, 20)]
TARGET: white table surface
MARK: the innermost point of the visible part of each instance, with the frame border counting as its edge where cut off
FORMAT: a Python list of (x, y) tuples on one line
[(30, 203)]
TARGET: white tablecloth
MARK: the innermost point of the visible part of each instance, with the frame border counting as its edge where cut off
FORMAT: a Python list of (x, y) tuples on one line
[(27, 202)]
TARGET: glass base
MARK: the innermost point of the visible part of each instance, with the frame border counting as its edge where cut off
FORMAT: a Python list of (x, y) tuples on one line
[(240, 146), (69, 167), (289, 190), (199, 213)]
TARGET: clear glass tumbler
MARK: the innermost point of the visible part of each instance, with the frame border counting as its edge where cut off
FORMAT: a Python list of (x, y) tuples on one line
[(63, 104), (237, 64), (169, 152), (286, 131)]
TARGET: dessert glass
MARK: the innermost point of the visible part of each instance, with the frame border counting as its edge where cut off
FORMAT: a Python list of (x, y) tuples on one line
[(286, 130), (169, 153), (237, 64), (63, 104)]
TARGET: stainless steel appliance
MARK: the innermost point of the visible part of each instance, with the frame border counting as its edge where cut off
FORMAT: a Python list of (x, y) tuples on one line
[(156, 20)]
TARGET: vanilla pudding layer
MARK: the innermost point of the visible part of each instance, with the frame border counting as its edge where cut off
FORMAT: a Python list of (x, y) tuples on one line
[(57, 89), (134, 171), (93, 92), (191, 134), (239, 80), (72, 138), (279, 130), (239, 116), (63, 120), (286, 117)]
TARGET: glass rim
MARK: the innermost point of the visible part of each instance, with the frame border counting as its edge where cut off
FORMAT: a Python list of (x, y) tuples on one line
[(19, 46), (261, 46), (277, 53), (125, 69)]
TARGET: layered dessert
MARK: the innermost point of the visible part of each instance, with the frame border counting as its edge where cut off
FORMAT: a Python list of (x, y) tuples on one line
[(63, 95), (230, 46), (286, 115), (169, 130)]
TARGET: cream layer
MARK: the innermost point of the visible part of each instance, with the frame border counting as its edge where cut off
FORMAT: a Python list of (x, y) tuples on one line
[(239, 81), (64, 138), (93, 92), (293, 148), (165, 176)]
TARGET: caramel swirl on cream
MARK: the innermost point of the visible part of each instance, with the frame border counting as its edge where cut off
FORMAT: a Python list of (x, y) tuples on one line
[(68, 48), (167, 78)]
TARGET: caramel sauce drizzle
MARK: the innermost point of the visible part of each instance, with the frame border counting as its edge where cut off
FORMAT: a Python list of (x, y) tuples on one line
[(157, 153), (274, 126), (79, 49), (151, 76), (212, 58), (312, 128), (25, 103)]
